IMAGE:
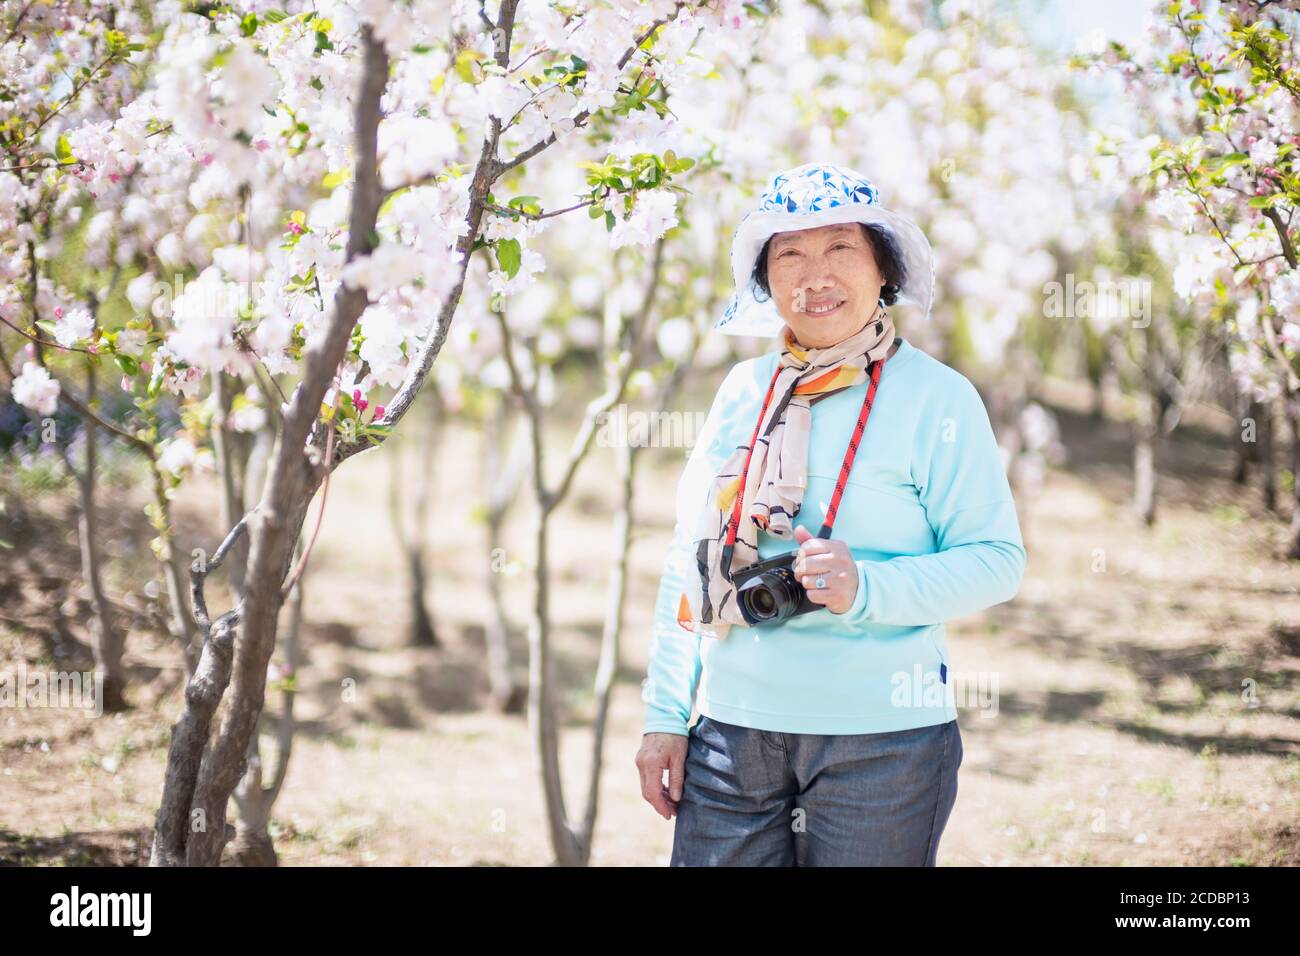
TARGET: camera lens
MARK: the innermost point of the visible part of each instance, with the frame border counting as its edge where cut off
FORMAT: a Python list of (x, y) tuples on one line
[(770, 596)]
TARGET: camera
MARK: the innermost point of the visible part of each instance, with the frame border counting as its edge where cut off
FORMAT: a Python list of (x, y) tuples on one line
[(769, 591)]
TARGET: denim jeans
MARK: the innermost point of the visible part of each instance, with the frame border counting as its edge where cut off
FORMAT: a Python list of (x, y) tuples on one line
[(761, 798)]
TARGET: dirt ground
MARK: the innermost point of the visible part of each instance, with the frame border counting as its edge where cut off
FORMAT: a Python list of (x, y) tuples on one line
[(1148, 711)]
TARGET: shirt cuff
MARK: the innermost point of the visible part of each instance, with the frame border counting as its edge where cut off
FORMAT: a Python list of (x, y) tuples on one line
[(859, 606), (659, 720), (657, 728)]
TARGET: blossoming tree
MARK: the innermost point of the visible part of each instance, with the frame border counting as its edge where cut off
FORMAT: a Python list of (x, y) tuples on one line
[(1230, 188), (369, 138)]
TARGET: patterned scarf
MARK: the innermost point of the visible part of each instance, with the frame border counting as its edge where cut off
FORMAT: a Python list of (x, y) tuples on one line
[(778, 470)]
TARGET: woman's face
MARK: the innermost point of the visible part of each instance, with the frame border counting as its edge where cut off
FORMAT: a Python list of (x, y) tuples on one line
[(811, 269)]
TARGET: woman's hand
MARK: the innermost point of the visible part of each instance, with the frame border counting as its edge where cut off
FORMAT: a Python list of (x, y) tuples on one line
[(829, 559), (660, 752)]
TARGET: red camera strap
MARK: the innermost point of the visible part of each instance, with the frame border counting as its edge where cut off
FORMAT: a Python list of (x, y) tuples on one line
[(825, 531)]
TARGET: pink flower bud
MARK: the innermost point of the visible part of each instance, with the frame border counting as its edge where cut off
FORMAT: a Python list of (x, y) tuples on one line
[(58, 311), (358, 401), (379, 413)]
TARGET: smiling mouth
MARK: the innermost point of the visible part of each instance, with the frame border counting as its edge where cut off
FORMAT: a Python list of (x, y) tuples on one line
[(823, 309)]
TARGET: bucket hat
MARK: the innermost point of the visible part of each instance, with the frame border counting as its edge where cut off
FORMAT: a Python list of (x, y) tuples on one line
[(811, 195)]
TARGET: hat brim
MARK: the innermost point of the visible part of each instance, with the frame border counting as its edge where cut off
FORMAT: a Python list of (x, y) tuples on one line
[(745, 314)]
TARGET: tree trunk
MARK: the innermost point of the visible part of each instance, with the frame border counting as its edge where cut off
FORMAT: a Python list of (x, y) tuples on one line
[(252, 845), (415, 545), (500, 481), (611, 639), (1268, 470), (571, 844), (108, 643), (179, 623), (542, 711), (1256, 455), (228, 467), (1144, 461), (422, 632), (191, 827), (1292, 405)]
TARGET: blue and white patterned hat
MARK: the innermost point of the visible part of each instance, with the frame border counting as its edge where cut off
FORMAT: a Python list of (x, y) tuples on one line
[(817, 194)]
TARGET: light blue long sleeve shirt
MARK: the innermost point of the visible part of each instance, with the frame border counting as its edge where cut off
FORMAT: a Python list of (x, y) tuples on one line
[(929, 519)]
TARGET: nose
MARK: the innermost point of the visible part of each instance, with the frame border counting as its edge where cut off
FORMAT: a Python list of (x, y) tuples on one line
[(816, 275)]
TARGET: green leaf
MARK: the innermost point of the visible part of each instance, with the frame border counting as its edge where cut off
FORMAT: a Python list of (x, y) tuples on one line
[(127, 364), (116, 41), (248, 25), (63, 149), (509, 255)]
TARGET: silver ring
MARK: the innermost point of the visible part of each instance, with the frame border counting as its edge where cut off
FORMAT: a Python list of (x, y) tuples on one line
[(821, 582)]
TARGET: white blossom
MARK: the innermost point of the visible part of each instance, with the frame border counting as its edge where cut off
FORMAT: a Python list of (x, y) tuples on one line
[(34, 388), (177, 454), (131, 342), (75, 326), (388, 267), (1263, 152), (653, 215)]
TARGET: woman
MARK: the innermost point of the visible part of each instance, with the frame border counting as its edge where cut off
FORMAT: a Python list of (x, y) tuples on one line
[(826, 737)]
